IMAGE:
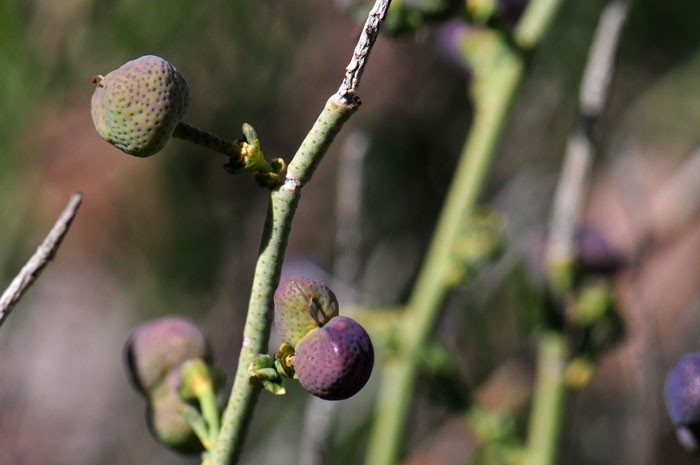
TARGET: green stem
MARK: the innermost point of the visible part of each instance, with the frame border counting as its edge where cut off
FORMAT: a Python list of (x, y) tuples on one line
[(548, 401), (497, 75), (493, 96), (256, 332), (210, 412), (535, 22)]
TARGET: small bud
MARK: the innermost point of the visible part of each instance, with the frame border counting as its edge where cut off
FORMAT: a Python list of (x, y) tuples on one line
[(158, 346), (284, 361), (301, 305), (262, 368)]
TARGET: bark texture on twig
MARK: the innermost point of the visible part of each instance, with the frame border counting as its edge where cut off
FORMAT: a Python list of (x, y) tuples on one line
[(347, 92), (43, 255)]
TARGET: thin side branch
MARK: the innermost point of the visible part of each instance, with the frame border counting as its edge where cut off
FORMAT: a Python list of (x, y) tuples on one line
[(581, 151), (347, 93), (43, 255)]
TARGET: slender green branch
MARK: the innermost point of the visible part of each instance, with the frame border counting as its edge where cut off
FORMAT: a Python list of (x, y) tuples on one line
[(283, 204), (398, 379), (548, 400), (498, 71), (535, 22)]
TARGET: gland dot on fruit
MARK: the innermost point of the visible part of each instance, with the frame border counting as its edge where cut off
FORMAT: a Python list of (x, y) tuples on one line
[(121, 97)]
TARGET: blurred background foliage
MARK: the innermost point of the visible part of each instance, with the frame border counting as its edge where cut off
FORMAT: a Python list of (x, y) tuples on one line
[(176, 234)]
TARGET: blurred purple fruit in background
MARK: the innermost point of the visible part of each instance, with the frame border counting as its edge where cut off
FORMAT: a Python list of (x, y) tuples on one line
[(450, 39), (157, 347), (682, 392), (166, 422)]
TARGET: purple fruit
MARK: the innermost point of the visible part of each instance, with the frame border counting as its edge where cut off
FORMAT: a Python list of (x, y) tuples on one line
[(301, 305), (157, 347), (595, 252), (682, 391), (334, 362)]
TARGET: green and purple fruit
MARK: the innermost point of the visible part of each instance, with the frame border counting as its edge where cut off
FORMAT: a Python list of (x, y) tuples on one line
[(159, 346), (136, 107), (334, 362), (165, 420), (301, 305)]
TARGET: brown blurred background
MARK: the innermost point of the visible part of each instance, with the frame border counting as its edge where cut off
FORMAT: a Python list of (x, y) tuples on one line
[(176, 234)]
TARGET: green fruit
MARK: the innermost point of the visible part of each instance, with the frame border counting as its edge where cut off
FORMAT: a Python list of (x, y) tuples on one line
[(161, 345), (301, 305), (136, 107), (166, 422)]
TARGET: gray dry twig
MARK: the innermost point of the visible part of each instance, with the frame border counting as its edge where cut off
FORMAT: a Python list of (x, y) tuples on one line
[(43, 255)]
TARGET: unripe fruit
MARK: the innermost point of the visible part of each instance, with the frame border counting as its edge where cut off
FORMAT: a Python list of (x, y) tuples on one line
[(136, 107), (159, 346), (335, 361), (682, 392), (302, 304), (166, 422)]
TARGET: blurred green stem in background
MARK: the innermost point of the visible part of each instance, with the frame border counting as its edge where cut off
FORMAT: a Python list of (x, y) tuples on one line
[(498, 70), (535, 22), (548, 400)]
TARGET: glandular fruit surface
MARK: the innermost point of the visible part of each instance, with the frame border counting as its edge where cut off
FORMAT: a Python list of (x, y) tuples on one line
[(136, 107), (335, 361)]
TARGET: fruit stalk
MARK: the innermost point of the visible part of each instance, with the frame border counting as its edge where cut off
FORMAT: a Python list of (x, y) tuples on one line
[(209, 140)]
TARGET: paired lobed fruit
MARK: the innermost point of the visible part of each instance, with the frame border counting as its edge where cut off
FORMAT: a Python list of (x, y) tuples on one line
[(333, 354), (156, 352), (157, 347), (136, 107)]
